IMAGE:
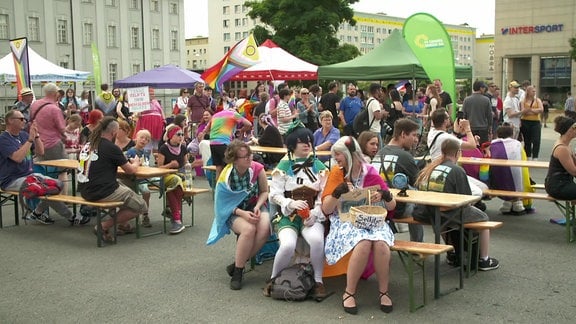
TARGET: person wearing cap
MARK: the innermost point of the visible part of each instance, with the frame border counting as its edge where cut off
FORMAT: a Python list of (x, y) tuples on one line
[(23, 105), (512, 110), (297, 182), (478, 110), (559, 181)]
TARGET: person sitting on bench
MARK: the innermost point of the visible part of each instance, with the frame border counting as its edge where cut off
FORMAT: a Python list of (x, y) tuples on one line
[(444, 175)]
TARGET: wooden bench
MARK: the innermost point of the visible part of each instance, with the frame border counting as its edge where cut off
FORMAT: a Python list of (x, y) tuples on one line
[(189, 197), (470, 238), (566, 207), (102, 208), (413, 256)]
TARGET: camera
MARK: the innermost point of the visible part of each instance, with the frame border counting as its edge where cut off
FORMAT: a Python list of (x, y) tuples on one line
[(386, 128), (460, 115)]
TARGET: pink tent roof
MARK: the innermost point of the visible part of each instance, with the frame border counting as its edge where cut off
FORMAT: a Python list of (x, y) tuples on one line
[(277, 64)]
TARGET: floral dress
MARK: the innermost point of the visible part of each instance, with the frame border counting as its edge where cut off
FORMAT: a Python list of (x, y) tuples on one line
[(344, 236)]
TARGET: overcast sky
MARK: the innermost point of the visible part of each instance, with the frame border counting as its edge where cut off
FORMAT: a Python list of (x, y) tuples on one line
[(478, 14)]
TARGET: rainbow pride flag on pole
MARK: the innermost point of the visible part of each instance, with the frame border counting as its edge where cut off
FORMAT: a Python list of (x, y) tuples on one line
[(243, 55), (19, 47)]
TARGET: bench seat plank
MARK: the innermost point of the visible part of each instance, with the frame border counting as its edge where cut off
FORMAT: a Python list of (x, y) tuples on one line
[(421, 248), (515, 194)]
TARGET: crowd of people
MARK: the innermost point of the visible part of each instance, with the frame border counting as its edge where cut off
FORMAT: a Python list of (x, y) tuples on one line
[(306, 191)]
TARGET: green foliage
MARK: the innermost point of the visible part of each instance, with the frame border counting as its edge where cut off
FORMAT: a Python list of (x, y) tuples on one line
[(306, 29), (572, 52)]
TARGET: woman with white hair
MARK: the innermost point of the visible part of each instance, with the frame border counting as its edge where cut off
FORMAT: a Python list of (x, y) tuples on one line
[(346, 240)]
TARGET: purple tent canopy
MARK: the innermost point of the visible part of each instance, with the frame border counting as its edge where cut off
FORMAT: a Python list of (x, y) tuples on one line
[(164, 77)]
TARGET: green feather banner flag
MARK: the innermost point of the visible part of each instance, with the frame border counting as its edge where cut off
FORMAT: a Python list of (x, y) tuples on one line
[(431, 44)]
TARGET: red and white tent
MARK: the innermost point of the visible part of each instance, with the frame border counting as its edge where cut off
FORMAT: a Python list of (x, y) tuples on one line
[(277, 64)]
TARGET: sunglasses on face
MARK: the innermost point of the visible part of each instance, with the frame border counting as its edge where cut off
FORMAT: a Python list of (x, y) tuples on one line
[(179, 134)]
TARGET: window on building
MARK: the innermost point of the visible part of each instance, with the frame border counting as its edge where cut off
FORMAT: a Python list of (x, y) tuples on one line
[(87, 1), (112, 72), (244, 21), (62, 31), (244, 8), (173, 40), (87, 33), (111, 3), (237, 9), (173, 8), (134, 37), (134, 4), (244, 34), (63, 64), (135, 68), (154, 5), (155, 38), (226, 37), (4, 34), (237, 36), (226, 23), (226, 10), (237, 22), (156, 65), (226, 49), (349, 39), (111, 36)]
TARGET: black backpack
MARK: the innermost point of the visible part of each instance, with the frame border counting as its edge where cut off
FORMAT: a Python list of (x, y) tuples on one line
[(361, 121), (294, 283)]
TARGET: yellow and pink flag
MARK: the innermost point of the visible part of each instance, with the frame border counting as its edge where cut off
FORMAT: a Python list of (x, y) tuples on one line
[(19, 49), (243, 55)]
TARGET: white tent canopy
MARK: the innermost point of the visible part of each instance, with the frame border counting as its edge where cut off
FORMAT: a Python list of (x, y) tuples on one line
[(40, 70), (277, 64)]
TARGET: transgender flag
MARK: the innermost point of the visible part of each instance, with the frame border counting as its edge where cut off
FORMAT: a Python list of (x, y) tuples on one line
[(243, 55), (19, 49)]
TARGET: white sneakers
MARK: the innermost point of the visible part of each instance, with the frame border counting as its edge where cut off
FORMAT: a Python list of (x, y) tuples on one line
[(509, 206)]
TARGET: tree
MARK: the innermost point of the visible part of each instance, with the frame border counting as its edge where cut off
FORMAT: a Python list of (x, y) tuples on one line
[(572, 42), (306, 29)]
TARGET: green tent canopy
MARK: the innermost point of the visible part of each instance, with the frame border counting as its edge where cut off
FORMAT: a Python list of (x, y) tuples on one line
[(391, 60)]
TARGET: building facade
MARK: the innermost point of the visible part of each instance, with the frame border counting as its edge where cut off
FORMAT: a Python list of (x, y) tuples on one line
[(532, 44), (130, 35), (484, 58)]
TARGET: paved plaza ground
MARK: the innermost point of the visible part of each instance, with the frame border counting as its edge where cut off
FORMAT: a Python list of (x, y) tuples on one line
[(56, 274)]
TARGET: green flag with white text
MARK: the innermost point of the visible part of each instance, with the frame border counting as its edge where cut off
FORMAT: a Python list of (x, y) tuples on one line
[(431, 44)]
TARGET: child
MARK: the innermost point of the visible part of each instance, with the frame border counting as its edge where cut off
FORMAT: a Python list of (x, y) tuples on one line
[(143, 137), (72, 135)]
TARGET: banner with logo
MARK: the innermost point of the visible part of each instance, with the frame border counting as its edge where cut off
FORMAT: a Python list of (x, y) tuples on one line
[(19, 47), (431, 44)]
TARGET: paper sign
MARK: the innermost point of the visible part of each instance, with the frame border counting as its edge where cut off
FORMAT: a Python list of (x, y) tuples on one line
[(138, 99)]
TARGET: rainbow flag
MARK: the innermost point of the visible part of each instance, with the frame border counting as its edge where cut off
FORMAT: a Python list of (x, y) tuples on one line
[(243, 55), (19, 49)]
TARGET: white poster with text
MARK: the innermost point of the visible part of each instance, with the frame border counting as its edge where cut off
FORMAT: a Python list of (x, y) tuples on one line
[(138, 99)]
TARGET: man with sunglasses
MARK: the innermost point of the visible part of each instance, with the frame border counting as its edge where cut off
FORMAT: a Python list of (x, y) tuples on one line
[(16, 164)]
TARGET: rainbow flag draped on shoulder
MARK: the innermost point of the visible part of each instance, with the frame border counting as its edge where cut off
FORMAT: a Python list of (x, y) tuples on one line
[(243, 55)]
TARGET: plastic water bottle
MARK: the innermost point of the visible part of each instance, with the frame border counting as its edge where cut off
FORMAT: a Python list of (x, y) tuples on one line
[(188, 175)]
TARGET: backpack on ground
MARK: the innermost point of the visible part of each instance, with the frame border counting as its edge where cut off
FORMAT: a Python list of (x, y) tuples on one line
[(361, 121), (294, 283)]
